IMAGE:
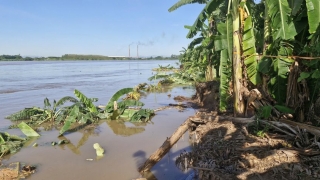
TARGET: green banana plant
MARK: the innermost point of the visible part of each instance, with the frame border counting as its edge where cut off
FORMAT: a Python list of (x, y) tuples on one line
[(279, 29), (82, 111)]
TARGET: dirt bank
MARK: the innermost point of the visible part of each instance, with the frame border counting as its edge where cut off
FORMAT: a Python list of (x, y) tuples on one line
[(224, 149)]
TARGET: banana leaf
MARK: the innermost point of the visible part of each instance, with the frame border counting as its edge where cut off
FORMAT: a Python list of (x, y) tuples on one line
[(184, 2), (130, 102), (86, 101), (158, 76), (66, 99), (128, 113), (46, 103), (27, 130), (313, 7), (115, 97), (70, 119), (224, 82), (10, 143), (281, 22), (284, 109), (25, 114), (142, 115)]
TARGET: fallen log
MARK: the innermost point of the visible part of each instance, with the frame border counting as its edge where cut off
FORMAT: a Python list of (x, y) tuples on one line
[(211, 118), (166, 146), (311, 129)]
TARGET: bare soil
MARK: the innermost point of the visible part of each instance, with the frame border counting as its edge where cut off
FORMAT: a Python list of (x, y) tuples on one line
[(15, 171)]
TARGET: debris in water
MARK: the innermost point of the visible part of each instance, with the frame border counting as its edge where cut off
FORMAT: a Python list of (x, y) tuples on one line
[(98, 149), (63, 142)]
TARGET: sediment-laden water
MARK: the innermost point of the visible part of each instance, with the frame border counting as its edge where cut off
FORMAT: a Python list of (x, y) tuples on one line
[(127, 145)]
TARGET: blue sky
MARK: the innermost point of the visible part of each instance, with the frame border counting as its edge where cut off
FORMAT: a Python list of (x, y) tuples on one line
[(104, 27)]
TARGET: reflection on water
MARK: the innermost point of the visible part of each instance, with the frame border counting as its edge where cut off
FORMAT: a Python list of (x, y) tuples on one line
[(119, 128), (127, 145)]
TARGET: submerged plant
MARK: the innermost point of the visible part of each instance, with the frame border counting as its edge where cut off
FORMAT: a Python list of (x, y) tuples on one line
[(10, 143), (82, 110)]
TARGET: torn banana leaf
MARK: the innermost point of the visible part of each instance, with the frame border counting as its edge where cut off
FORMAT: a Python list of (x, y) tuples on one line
[(27, 130), (10, 143), (25, 114)]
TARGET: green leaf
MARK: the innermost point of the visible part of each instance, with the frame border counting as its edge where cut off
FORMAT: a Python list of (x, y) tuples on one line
[(284, 109), (158, 76), (304, 75), (281, 22), (27, 130), (224, 80), (210, 7), (128, 113), (25, 114), (86, 101), (104, 115), (265, 112), (313, 7), (184, 2), (46, 103), (195, 42), (66, 99), (252, 71), (70, 119), (295, 5), (142, 114), (249, 47), (130, 102), (220, 42), (264, 65), (10, 143), (117, 95), (278, 83), (316, 74)]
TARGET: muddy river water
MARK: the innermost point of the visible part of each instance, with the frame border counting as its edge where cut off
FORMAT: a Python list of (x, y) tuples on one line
[(127, 145)]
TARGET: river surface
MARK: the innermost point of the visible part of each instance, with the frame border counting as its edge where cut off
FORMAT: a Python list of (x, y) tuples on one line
[(127, 145)]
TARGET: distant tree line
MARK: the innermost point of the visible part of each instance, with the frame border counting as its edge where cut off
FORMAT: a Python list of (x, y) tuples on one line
[(80, 57)]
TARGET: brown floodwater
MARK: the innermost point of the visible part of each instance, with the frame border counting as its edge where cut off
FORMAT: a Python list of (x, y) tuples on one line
[(127, 145)]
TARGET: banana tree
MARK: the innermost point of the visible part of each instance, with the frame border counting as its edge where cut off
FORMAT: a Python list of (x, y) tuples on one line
[(216, 10), (282, 30)]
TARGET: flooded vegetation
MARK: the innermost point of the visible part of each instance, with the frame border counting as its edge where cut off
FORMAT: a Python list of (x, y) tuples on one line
[(72, 155)]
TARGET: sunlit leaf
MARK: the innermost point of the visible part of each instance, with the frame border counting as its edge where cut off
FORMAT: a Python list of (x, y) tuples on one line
[(27, 130)]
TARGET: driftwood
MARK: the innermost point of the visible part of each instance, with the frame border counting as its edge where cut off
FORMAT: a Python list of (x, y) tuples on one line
[(180, 105), (166, 146)]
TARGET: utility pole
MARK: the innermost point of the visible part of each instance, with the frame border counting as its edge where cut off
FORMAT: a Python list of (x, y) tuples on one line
[(129, 50), (137, 51)]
